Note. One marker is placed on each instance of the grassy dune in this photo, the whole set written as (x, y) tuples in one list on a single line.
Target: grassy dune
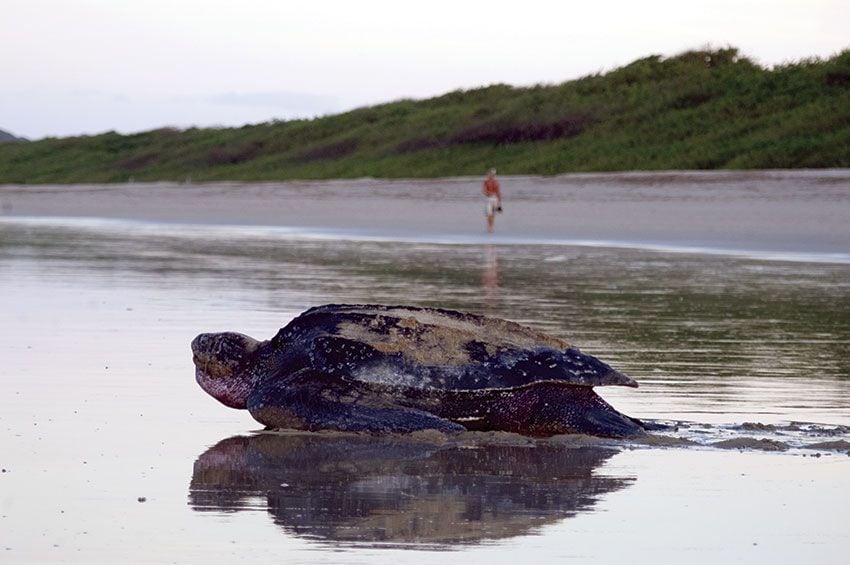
[(698, 110)]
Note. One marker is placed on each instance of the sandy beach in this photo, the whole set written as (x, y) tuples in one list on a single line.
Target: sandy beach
[(109, 443), (775, 211)]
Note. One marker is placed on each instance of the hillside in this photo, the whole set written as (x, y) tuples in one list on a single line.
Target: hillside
[(6, 137), (698, 110)]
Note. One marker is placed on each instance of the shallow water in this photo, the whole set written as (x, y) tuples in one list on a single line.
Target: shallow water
[(100, 407)]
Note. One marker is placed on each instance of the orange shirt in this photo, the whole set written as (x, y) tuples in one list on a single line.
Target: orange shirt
[(491, 187)]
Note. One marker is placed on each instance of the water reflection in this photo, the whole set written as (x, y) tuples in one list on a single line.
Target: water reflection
[(400, 492), (490, 276)]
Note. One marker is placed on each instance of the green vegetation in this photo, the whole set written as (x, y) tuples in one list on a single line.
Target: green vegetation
[(699, 110)]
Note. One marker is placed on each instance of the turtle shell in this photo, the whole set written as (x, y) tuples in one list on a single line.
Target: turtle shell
[(429, 348)]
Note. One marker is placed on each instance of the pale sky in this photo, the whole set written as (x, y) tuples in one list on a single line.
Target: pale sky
[(86, 66)]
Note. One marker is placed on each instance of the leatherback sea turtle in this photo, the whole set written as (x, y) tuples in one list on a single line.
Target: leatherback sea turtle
[(375, 368)]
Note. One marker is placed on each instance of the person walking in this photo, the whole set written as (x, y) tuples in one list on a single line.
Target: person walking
[(492, 191)]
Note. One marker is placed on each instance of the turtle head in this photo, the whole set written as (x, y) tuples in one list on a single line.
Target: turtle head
[(224, 364)]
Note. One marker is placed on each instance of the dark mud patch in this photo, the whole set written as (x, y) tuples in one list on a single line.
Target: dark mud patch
[(752, 443), (758, 427), (757, 436), (819, 429), (651, 440), (837, 445)]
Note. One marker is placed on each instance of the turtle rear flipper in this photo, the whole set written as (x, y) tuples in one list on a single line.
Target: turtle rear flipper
[(311, 400), (542, 409)]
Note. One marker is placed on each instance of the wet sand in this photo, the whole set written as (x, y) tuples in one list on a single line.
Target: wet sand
[(775, 211), (110, 451)]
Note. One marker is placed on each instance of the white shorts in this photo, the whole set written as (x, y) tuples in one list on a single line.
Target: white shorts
[(491, 206)]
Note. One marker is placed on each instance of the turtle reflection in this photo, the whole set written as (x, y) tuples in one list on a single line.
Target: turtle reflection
[(397, 491)]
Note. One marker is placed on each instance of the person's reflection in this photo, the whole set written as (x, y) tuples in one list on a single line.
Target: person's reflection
[(350, 488), (490, 276)]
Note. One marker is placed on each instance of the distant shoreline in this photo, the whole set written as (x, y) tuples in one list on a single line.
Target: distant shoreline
[(769, 212), (126, 227)]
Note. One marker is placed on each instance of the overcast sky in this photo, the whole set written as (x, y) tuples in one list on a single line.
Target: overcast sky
[(87, 66)]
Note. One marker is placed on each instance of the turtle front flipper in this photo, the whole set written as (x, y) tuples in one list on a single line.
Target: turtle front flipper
[(311, 400)]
